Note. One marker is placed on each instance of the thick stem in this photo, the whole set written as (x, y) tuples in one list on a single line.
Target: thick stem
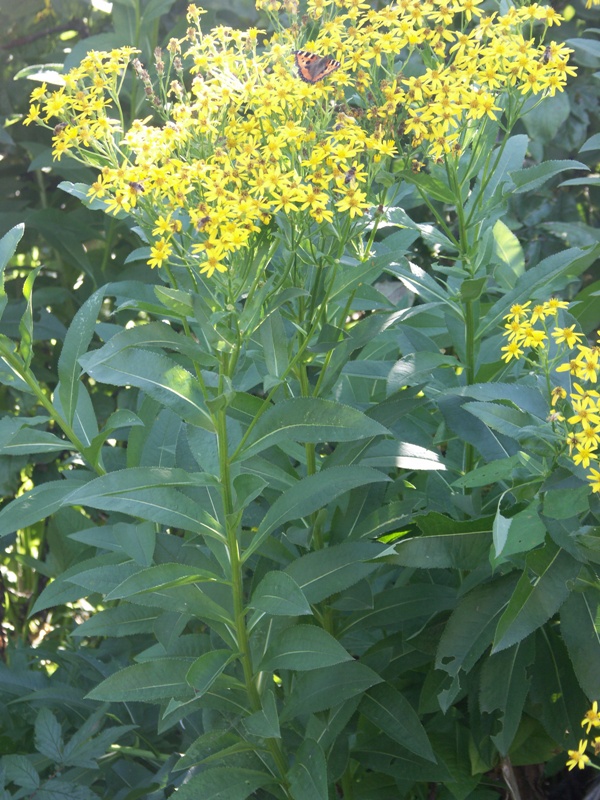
[(237, 583)]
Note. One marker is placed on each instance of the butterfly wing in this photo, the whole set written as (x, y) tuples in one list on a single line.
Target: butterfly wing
[(313, 67)]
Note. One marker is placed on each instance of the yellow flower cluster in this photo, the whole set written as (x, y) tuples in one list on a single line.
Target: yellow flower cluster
[(578, 758), (243, 138), (583, 438)]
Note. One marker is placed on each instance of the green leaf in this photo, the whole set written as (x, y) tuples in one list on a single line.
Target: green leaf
[(160, 377), (8, 245), (587, 51), (470, 629), (518, 534), (48, 736), (393, 607), (75, 344), (527, 180), (264, 723), (155, 335), (593, 143), (393, 715), (535, 601), (25, 346), (308, 775), (159, 679), (421, 283), (160, 576), (120, 621), (223, 783), (319, 689), (274, 344), (325, 572), (150, 493), (206, 669), (310, 494), (29, 440), (499, 470), (553, 678), (580, 626), (452, 550), (501, 418), (566, 503), (415, 368), (280, 595), (543, 121), (303, 647), (138, 541), (37, 504), (62, 590), (20, 770), (310, 419), (504, 686), (510, 255)]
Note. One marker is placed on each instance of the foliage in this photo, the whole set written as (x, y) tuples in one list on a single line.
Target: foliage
[(320, 536)]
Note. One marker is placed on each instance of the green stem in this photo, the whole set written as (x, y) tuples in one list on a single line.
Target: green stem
[(26, 375), (469, 305), (237, 581)]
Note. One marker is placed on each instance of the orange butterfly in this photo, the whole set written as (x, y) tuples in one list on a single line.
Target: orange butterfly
[(313, 68)]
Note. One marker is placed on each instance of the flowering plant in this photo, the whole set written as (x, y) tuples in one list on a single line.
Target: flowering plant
[(322, 505)]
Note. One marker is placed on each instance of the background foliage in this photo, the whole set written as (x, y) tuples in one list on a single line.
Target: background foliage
[(453, 712)]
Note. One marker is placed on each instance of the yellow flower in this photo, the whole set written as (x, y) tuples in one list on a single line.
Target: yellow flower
[(159, 253), (518, 311), (592, 718), (567, 335), (353, 202), (534, 338), (578, 757), (34, 114), (594, 479), (511, 350), (585, 452)]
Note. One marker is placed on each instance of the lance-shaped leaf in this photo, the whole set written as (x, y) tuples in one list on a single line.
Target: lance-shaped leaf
[(8, 245), (310, 494), (280, 595), (304, 647), (224, 783), (580, 630), (393, 715), (159, 679), (151, 493), (536, 599), (206, 669), (325, 572), (310, 419), (308, 775), (35, 505), (76, 341), (160, 377), (26, 324), (324, 688), (504, 686)]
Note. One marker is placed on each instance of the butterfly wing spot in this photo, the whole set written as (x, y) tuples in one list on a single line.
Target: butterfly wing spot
[(313, 67)]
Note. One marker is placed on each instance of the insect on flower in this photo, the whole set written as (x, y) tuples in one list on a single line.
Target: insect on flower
[(350, 175), (136, 187), (312, 67)]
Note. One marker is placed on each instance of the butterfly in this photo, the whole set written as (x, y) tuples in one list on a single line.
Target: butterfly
[(313, 68)]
